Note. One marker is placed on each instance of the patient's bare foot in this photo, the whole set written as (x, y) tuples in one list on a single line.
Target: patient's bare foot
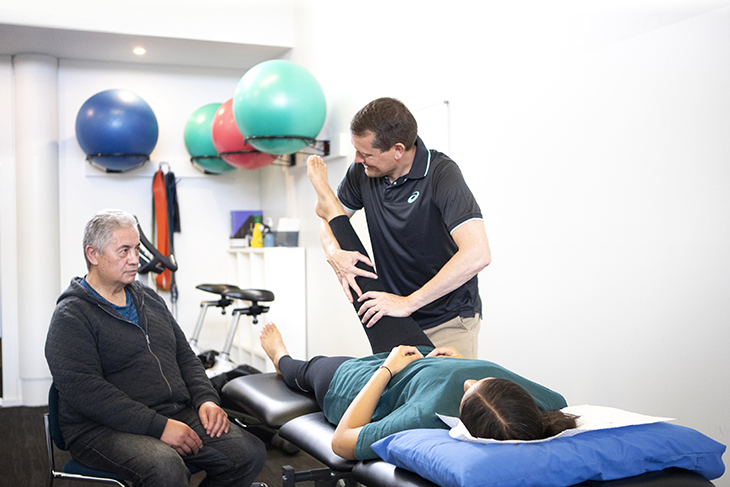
[(327, 206), (273, 344)]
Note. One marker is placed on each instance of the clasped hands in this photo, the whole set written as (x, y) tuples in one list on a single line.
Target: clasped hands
[(184, 440), (376, 304), (403, 355)]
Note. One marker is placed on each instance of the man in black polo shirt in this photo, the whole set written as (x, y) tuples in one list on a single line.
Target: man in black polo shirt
[(426, 229)]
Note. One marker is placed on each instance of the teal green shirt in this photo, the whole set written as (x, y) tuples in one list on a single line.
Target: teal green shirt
[(413, 397)]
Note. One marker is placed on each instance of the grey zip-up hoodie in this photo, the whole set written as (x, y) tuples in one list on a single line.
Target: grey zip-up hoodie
[(111, 372)]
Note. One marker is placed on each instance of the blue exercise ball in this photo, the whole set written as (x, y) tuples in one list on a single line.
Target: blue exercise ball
[(117, 130), (281, 100)]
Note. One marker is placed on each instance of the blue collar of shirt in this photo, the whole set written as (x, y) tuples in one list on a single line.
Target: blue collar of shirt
[(128, 311), (101, 298)]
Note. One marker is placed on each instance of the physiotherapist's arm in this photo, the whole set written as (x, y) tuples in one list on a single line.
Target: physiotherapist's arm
[(342, 261), (472, 256)]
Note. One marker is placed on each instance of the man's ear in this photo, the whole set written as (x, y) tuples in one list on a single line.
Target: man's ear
[(399, 149), (92, 255)]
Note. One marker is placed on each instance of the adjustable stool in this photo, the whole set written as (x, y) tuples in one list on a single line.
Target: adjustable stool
[(223, 302), (223, 362)]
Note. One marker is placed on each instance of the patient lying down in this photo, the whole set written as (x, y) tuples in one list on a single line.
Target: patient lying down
[(372, 397), (407, 380)]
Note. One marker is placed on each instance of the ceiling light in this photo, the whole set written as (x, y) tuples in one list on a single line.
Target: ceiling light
[(139, 51)]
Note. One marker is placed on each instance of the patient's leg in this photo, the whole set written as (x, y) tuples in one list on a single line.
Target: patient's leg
[(327, 205), (388, 332), (312, 376)]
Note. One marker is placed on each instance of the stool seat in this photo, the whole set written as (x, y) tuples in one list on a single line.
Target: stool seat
[(250, 294), (218, 288)]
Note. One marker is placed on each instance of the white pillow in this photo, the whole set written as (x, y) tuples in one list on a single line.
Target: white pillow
[(590, 418)]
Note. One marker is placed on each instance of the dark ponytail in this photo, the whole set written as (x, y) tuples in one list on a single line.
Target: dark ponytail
[(555, 422), (503, 410)]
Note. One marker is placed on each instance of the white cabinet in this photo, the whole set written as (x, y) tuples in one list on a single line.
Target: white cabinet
[(280, 270)]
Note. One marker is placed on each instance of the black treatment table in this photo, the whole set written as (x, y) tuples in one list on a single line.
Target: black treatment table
[(298, 419)]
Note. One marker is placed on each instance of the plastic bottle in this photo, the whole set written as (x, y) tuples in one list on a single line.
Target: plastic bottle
[(257, 239), (268, 233)]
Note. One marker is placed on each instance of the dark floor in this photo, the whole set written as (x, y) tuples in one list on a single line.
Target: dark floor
[(23, 457)]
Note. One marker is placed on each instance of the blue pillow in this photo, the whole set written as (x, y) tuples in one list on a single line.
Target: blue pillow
[(595, 455)]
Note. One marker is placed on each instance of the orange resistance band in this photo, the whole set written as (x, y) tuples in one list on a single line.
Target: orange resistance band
[(162, 228)]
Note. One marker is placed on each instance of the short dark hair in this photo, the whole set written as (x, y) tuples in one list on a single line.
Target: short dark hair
[(389, 120), (503, 410)]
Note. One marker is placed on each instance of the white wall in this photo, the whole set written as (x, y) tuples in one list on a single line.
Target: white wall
[(595, 141)]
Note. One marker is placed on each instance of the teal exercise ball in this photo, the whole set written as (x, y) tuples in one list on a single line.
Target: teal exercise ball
[(279, 99), (199, 141)]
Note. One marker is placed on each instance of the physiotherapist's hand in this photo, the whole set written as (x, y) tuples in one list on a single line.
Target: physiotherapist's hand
[(181, 438), (378, 304), (214, 419), (343, 263)]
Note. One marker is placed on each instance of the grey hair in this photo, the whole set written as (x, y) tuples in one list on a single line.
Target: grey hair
[(98, 231)]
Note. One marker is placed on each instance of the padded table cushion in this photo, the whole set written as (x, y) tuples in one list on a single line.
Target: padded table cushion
[(383, 474), (313, 434), (267, 397), (671, 477), (297, 414)]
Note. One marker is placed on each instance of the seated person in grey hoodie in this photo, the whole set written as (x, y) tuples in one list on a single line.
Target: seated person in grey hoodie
[(133, 397)]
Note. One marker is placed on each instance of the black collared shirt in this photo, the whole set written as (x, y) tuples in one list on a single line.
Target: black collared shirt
[(410, 223)]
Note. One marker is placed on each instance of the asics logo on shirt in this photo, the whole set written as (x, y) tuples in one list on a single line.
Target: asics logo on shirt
[(414, 197)]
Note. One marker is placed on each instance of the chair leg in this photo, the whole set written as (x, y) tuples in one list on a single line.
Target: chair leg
[(49, 450)]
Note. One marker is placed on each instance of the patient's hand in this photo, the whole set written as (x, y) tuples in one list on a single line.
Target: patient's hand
[(214, 419), (181, 438), (400, 357), (445, 352)]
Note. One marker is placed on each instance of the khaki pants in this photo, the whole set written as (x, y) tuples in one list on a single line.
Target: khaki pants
[(460, 333)]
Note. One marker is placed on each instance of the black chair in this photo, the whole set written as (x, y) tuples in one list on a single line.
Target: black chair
[(72, 470)]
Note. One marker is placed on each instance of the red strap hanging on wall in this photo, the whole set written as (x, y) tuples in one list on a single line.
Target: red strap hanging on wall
[(162, 227)]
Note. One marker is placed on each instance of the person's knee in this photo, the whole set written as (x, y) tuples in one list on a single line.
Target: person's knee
[(168, 470), (251, 454), (245, 456), (259, 456)]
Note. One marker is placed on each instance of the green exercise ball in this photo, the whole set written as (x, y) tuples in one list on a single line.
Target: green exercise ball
[(199, 141), (279, 99)]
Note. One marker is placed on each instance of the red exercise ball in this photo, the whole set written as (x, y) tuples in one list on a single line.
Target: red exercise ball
[(230, 144)]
